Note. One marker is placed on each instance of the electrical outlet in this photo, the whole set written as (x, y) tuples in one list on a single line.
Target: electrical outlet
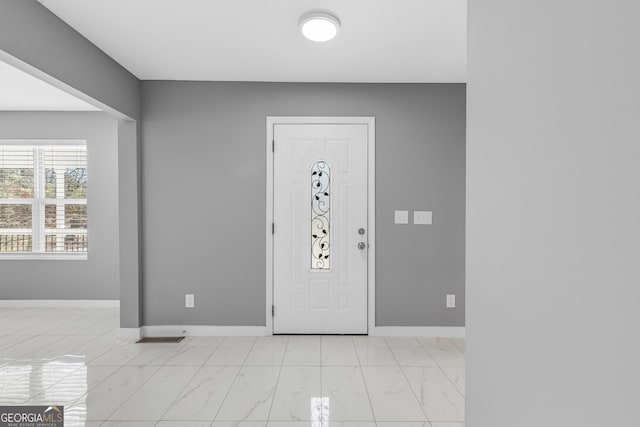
[(189, 301), (451, 301)]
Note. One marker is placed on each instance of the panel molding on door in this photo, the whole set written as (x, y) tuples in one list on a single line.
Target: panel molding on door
[(320, 193)]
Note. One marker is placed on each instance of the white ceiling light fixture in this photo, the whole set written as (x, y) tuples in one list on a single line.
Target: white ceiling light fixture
[(319, 26)]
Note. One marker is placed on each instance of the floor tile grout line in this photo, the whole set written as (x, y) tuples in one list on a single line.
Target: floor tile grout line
[(126, 362), (90, 313), (86, 394), (246, 356), (235, 380), (94, 338), (224, 339), (393, 352), (275, 390), (180, 392), (442, 370), (71, 321), (407, 380), (16, 332), (456, 345), (437, 338), (43, 332), (133, 392), (366, 389), (253, 344), (188, 382), (72, 348), (15, 379), (357, 353), (452, 383), (31, 398), (98, 384), (34, 350), (215, 348), (26, 338), (153, 346), (105, 352), (91, 325)]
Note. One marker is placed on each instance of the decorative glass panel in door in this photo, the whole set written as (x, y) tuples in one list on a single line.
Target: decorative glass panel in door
[(320, 215)]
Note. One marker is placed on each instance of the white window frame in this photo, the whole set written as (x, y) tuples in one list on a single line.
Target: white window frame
[(38, 207)]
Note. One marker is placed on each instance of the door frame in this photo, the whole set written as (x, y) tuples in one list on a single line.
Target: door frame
[(370, 122)]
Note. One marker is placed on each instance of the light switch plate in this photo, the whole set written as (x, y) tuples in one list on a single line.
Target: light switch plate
[(451, 301), (402, 217), (423, 217), (189, 301)]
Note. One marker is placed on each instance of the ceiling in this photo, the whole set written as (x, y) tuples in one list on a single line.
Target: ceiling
[(259, 40), (23, 92)]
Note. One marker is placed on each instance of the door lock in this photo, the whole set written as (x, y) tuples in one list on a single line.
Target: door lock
[(361, 231), (362, 245)]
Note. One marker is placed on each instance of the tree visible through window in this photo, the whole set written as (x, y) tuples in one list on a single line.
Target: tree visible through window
[(43, 198)]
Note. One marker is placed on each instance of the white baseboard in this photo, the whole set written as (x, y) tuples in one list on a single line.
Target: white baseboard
[(419, 331), (235, 331), (130, 333), (60, 303), (203, 331)]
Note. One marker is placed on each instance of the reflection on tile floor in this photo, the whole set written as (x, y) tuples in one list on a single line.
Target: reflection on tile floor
[(73, 357)]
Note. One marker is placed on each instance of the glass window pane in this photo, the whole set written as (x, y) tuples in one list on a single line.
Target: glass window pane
[(50, 216), (76, 243), (16, 171), (16, 183), (75, 216), (15, 243), (75, 183), (50, 243), (66, 243), (320, 215), (15, 216), (50, 183)]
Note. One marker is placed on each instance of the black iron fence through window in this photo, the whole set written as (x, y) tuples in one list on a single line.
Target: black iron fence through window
[(23, 243), (15, 243)]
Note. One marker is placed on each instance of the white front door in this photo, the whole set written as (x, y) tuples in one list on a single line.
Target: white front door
[(320, 238)]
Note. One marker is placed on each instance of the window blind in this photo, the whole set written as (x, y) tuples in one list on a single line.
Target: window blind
[(43, 198)]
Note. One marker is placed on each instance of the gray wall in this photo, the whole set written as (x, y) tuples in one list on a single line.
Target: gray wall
[(553, 213), (96, 278), (129, 221), (203, 161), (31, 33), (36, 41)]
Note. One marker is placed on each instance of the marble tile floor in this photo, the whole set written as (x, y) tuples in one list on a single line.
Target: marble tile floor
[(74, 357)]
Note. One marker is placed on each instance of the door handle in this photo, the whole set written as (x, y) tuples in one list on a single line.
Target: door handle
[(362, 245)]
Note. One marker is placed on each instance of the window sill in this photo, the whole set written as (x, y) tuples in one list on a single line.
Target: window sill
[(44, 257)]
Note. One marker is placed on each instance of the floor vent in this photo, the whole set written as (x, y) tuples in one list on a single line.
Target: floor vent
[(159, 339)]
